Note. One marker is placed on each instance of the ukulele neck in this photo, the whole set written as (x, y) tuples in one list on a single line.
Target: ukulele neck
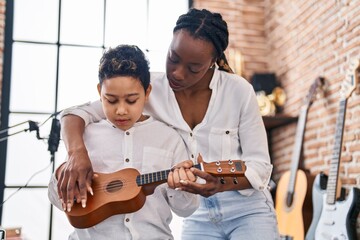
[(157, 177)]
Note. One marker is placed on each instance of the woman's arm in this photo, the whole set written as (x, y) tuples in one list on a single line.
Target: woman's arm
[(75, 175)]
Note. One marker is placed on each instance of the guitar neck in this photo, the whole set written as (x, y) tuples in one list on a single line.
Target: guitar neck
[(331, 188), (297, 148), (156, 177), (299, 137)]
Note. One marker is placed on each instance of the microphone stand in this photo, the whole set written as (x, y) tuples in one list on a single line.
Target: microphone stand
[(53, 144)]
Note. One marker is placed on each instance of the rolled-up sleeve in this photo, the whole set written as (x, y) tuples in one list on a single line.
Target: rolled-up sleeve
[(254, 146), (90, 112), (53, 194)]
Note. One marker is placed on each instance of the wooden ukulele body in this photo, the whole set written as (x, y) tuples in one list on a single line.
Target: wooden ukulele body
[(115, 193)]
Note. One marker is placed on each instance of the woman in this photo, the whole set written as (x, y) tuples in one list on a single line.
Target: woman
[(216, 113)]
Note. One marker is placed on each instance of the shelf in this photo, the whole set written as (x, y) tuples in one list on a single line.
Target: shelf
[(278, 120)]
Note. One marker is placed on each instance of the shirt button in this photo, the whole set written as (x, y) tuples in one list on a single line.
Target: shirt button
[(127, 160), (191, 134), (227, 132), (127, 133), (192, 155), (127, 220)]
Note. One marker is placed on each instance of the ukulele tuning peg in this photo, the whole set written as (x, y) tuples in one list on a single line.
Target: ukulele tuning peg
[(222, 180), (219, 170), (217, 163), (232, 169), (235, 181), (230, 162)]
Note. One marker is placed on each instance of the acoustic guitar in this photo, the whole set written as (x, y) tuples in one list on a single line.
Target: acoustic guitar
[(292, 186), (125, 191), (338, 216)]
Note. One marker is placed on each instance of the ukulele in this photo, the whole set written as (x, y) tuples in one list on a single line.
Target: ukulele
[(125, 191), (338, 217), (292, 186)]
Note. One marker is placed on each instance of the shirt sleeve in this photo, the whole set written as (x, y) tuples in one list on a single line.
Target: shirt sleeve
[(182, 203), (254, 145), (91, 112), (53, 194)]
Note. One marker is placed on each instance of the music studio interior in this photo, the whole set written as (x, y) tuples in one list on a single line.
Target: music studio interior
[(302, 58)]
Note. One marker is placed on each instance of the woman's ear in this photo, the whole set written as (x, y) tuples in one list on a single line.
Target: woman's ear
[(147, 92)]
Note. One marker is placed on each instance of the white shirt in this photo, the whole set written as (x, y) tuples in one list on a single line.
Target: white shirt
[(231, 129), (149, 146)]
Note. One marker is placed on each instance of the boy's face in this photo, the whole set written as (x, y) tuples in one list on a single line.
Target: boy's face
[(123, 99)]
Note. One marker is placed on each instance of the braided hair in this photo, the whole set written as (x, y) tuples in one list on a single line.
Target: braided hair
[(208, 26)]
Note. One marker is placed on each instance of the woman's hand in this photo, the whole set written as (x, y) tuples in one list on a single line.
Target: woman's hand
[(211, 186), (74, 179), (75, 175)]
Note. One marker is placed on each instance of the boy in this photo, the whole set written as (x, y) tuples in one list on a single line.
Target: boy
[(130, 139)]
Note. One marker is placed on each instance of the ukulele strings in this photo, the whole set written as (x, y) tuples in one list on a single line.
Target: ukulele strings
[(118, 184)]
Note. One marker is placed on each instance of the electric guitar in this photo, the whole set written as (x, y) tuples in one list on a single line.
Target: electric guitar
[(292, 186), (125, 191), (338, 217)]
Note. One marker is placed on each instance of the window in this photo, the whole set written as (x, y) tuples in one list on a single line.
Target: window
[(52, 50)]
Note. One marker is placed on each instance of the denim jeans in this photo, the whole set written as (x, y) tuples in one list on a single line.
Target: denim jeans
[(232, 216)]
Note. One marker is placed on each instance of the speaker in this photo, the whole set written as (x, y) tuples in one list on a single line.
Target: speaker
[(264, 82)]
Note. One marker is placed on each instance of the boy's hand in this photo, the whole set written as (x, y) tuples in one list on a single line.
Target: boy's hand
[(180, 173), (74, 179)]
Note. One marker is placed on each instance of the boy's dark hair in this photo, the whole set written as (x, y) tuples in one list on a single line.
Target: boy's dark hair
[(124, 60), (208, 26)]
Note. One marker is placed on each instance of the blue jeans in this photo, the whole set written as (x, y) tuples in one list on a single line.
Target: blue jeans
[(232, 216)]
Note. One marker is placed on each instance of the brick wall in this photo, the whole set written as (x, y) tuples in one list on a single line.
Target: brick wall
[(306, 40), (245, 20), (309, 39)]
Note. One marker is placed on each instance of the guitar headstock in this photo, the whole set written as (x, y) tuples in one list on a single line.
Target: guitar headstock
[(319, 81), (229, 168), (351, 79)]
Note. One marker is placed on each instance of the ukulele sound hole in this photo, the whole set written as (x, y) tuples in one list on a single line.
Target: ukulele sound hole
[(114, 186)]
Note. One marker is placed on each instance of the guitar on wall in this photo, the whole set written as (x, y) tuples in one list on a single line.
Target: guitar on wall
[(125, 191), (338, 217), (292, 186)]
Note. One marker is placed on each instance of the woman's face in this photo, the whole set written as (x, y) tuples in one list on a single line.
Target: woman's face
[(188, 61)]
